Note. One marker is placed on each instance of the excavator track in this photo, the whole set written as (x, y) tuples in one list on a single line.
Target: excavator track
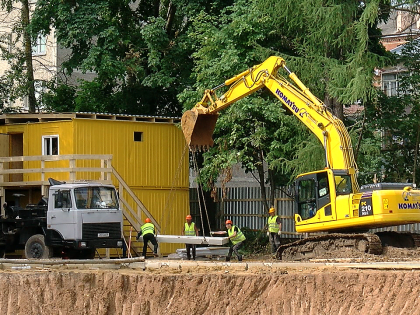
[(331, 244)]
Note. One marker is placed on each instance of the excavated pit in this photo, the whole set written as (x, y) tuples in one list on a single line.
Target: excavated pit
[(300, 290)]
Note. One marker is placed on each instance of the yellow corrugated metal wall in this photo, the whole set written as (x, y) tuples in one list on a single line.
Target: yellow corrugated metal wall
[(149, 166), (32, 140)]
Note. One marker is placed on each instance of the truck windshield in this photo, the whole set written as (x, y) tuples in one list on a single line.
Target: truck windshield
[(96, 198)]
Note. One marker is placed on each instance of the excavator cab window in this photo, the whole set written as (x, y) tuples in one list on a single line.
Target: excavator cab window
[(342, 184), (307, 198), (323, 188)]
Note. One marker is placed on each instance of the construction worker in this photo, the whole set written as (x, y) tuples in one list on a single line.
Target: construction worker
[(237, 238), (148, 231), (190, 230), (274, 229)]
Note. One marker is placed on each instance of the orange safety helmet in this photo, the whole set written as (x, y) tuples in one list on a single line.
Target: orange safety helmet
[(188, 217), (228, 222), (147, 220), (272, 210)]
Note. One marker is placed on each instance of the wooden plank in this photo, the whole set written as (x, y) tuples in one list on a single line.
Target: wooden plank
[(40, 183), (191, 239), (56, 157), (55, 170)]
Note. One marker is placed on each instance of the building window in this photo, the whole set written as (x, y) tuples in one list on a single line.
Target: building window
[(138, 136), (50, 145), (40, 45), (390, 84)]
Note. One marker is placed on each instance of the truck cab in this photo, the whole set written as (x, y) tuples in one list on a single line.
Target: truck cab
[(83, 216), (72, 222)]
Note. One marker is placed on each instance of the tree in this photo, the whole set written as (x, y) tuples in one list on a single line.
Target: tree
[(397, 117), (409, 86), (255, 133), (334, 45), (335, 59), (139, 50), (16, 47)]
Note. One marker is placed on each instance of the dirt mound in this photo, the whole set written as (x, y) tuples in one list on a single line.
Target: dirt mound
[(317, 291)]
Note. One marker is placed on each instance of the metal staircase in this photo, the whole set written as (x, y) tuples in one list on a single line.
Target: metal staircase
[(134, 215)]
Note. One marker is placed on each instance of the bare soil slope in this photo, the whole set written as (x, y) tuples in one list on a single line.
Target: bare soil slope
[(307, 291)]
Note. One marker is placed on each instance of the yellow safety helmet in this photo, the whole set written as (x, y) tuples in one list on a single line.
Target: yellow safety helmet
[(272, 210)]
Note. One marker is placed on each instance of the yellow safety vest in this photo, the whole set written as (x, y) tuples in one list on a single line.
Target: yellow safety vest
[(273, 227), (240, 237), (189, 229), (147, 228)]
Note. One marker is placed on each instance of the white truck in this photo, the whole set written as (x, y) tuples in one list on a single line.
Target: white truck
[(72, 222)]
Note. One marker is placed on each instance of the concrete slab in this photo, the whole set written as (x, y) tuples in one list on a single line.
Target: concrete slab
[(198, 240), (203, 252)]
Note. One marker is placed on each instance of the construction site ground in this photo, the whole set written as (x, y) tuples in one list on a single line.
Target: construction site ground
[(386, 284)]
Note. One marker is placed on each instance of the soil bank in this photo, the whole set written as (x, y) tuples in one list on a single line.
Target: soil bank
[(128, 292)]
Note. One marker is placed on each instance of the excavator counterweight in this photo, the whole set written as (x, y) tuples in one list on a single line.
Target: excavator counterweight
[(198, 129)]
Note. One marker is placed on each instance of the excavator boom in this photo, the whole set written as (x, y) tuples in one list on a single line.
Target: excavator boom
[(198, 124)]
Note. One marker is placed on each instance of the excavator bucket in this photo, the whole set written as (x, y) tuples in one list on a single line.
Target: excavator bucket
[(198, 129)]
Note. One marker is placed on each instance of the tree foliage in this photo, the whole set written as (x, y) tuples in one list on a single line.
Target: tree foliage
[(139, 50), (16, 48), (332, 46), (397, 117)]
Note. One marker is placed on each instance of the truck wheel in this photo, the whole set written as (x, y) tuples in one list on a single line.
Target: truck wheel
[(35, 247)]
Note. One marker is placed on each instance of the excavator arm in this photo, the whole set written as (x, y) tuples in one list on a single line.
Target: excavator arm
[(198, 124)]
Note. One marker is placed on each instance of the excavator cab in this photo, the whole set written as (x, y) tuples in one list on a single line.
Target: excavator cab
[(198, 129), (313, 194)]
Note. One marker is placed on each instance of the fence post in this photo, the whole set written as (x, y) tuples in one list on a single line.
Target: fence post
[(72, 165), (103, 162), (43, 192), (109, 168)]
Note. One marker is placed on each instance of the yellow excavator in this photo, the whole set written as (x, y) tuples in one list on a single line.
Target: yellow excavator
[(328, 200)]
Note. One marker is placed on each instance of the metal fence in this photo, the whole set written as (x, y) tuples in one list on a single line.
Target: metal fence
[(244, 206)]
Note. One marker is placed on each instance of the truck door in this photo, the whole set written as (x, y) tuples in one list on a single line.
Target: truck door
[(61, 217)]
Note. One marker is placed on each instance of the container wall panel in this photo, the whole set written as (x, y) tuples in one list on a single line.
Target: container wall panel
[(169, 208), (33, 146), (159, 160)]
